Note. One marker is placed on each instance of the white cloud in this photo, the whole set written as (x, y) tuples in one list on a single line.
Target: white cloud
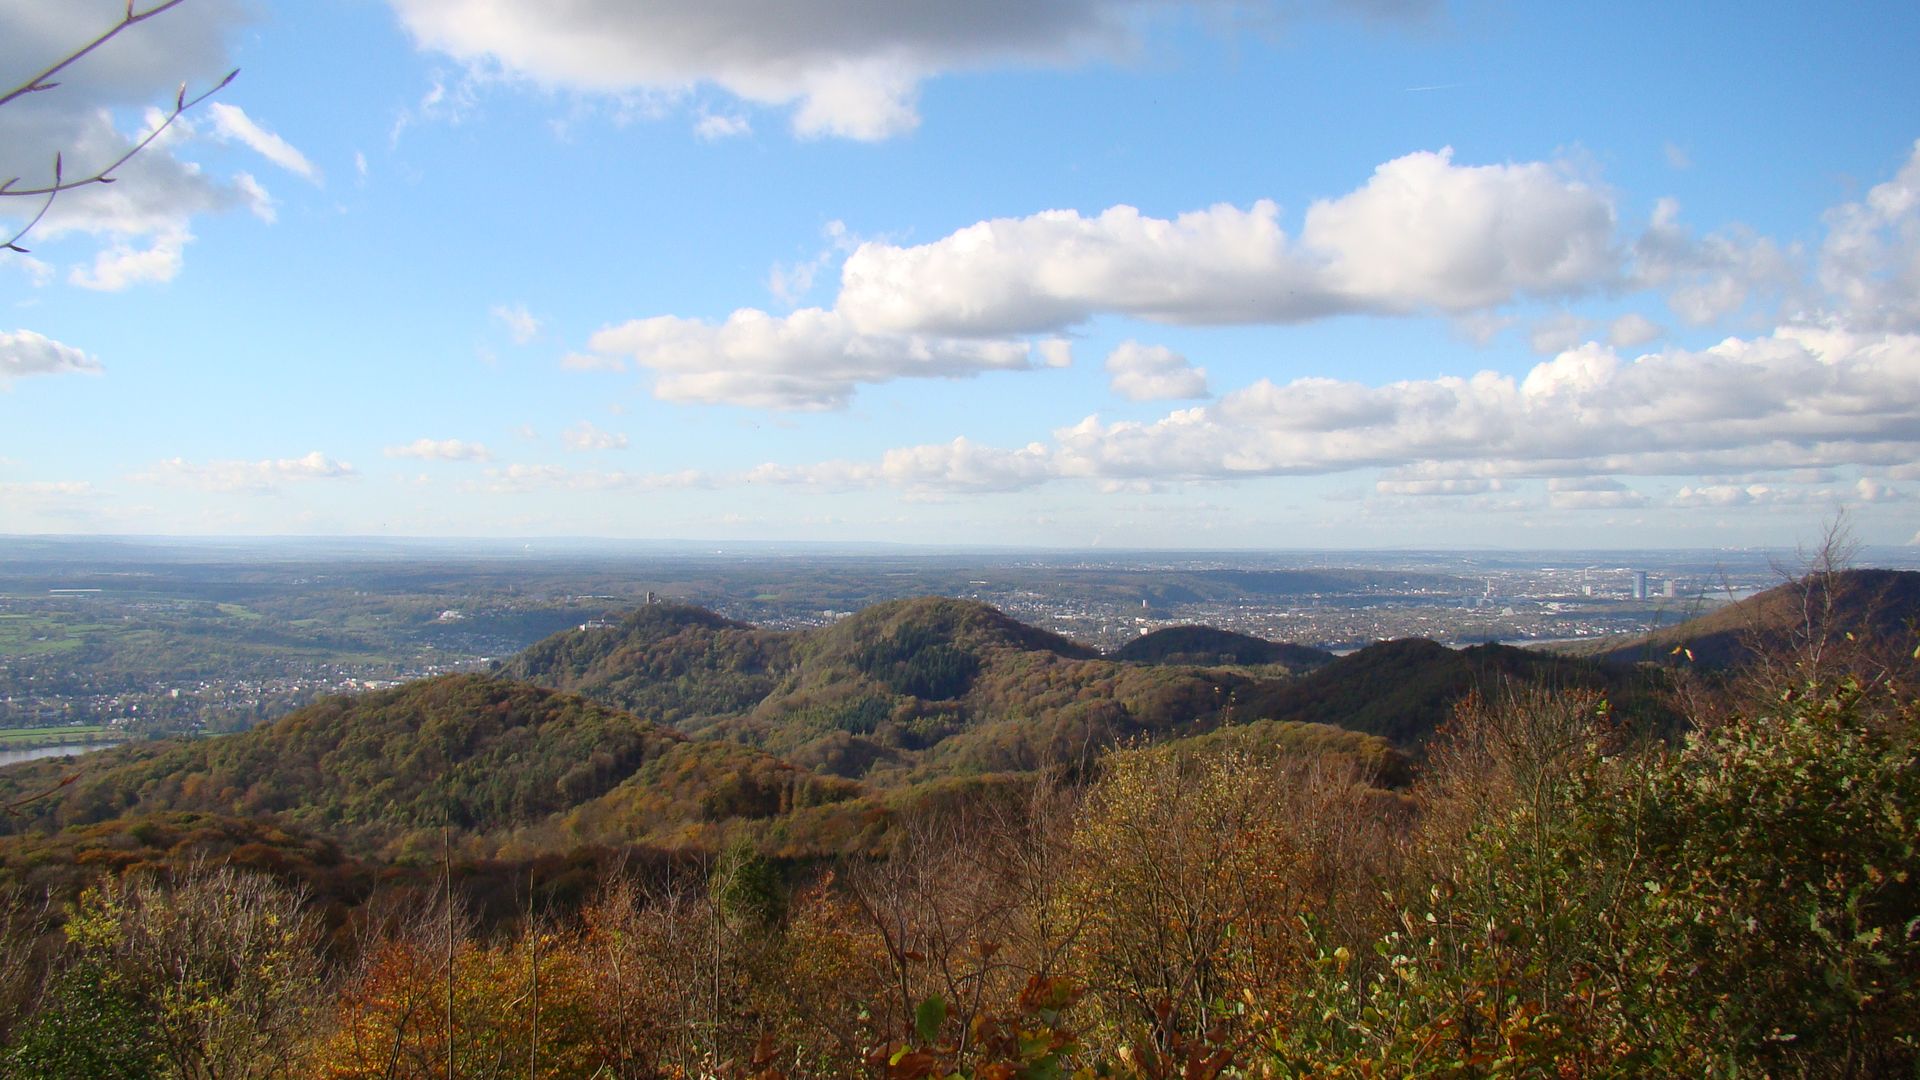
[(1421, 488), (68, 488), (1722, 496), (1557, 333), (231, 122), (715, 126), (1869, 490), (1709, 278), (579, 361), (1801, 398), (521, 479), (441, 450), (584, 436), (790, 284), (811, 359), (960, 465), (1632, 330), (1592, 493), (158, 192), (122, 264), (848, 68), (24, 352), (254, 477), (1480, 327), (965, 465), (520, 324), (258, 199), (1154, 373), (1423, 235), (1870, 261)]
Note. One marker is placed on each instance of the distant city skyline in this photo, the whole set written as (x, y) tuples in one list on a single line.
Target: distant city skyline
[(1120, 274)]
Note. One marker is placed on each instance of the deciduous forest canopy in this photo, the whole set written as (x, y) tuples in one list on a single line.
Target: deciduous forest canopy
[(930, 840)]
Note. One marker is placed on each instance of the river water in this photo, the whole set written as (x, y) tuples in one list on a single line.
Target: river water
[(9, 757)]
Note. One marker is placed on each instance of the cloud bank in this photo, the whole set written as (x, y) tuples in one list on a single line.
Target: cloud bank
[(846, 68)]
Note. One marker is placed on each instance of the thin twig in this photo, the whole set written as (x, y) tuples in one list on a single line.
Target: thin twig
[(41, 82), (16, 804)]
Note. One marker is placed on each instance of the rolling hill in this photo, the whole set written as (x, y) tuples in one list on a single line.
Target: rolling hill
[(506, 764), (910, 690), (1404, 690), (675, 728), (1204, 645), (896, 693), (1880, 609)]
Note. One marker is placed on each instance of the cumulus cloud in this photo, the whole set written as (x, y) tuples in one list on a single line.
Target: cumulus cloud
[(1724, 496), (122, 264), (231, 122), (520, 323), (1706, 278), (158, 191), (440, 450), (1154, 373), (1592, 493), (847, 68), (1868, 490), (810, 360), (1870, 261), (715, 126), (24, 352), (252, 477), (584, 436), (1632, 330), (1423, 235), (965, 465), (1557, 333), (1798, 399), (960, 465)]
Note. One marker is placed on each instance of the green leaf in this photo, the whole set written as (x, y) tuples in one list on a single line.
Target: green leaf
[(928, 1017)]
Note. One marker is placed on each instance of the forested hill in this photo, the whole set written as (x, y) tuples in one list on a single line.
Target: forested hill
[(667, 662), (383, 771), (805, 739), (898, 692), (915, 689), (1404, 690), (1206, 645), (1873, 615)]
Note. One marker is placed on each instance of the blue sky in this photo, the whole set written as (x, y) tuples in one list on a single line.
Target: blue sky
[(1051, 272)]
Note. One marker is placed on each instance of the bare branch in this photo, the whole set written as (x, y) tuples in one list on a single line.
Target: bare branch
[(15, 805), (39, 82), (43, 82)]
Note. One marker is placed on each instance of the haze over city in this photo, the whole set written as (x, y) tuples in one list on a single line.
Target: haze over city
[(1071, 273)]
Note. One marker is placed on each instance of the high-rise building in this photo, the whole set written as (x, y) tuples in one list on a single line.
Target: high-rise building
[(1639, 584)]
